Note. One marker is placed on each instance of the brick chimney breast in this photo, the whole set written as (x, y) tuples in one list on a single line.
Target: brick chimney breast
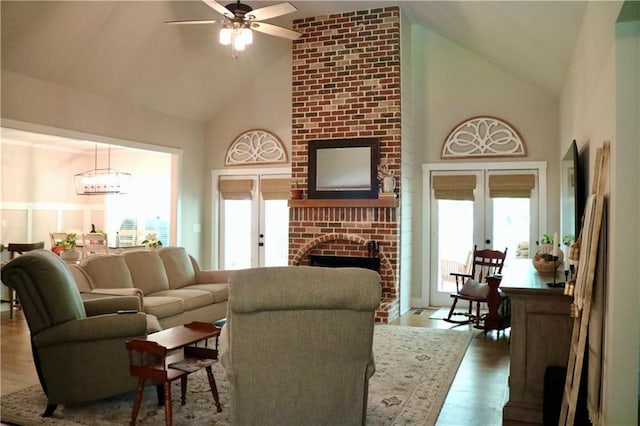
[(346, 84)]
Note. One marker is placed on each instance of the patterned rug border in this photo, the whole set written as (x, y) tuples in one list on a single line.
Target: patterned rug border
[(415, 368)]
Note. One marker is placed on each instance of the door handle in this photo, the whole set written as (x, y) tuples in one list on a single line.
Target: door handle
[(487, 241)]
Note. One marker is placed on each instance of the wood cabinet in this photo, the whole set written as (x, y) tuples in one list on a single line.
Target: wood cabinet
[(540, 337)]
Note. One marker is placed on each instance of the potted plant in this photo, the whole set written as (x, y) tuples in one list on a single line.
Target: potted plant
[(66, 248), (296, 192), (547, 257), (386, 178), (152, 242)]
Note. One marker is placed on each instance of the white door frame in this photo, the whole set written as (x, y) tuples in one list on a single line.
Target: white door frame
[(215, 200), (427, 168)]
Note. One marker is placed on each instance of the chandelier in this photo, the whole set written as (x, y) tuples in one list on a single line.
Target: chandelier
[(101, 181), (237, 34)]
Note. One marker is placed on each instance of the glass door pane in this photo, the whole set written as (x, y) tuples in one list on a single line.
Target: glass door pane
[(455, 238), (275, 239), (511, 226), (237, 238)]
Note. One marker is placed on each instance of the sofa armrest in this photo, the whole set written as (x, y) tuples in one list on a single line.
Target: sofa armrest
[(91, 329), (212, 277), (108, 304), (122, 292)]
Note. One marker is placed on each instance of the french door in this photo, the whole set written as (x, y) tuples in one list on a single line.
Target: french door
[(494, 207), (252, 229)]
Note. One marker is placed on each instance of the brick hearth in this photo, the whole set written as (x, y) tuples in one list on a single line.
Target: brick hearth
[(346, 84)]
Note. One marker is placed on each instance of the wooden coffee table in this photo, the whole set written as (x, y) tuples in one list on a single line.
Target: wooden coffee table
[(172, 354)]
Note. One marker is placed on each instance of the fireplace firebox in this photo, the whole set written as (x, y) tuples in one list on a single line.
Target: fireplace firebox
[(372, 263)]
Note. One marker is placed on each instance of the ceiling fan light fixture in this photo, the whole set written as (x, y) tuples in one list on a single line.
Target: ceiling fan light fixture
[(247, 35), (225, 36), (240, 19)]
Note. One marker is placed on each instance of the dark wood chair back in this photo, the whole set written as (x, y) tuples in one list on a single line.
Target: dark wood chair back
[(21, 248), (487, 262)]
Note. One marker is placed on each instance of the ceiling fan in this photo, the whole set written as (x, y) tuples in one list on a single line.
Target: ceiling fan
[(240, 19)]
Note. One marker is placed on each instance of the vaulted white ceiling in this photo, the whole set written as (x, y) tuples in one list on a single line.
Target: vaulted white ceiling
[(123, 49)]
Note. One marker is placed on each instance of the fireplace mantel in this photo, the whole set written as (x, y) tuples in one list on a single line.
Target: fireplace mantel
[(348, 202)]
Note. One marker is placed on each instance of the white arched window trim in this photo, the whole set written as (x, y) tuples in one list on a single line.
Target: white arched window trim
[(483, 136), (256, 147)]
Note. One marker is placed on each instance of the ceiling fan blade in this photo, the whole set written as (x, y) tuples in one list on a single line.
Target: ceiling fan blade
[(275, 30), (269, 12), (194, 21), (213, 4)]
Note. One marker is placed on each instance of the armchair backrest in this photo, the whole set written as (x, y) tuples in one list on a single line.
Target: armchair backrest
[(300, 344), (46, 288)]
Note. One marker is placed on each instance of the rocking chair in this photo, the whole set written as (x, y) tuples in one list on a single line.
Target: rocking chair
[(473, 287)]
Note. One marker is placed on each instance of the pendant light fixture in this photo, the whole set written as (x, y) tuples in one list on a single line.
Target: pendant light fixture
[(101, 181)]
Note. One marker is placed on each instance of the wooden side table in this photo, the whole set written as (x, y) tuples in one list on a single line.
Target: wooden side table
[(172, 354)]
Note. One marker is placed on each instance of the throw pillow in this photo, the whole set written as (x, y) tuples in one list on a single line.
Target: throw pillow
[(475, 289)]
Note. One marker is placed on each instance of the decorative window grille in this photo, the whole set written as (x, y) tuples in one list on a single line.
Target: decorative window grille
[(256, 147), (483, 137)]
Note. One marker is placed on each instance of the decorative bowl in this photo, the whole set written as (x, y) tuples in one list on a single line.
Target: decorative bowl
[(544, 263)]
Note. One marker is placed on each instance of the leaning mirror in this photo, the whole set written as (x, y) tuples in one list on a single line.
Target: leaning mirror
[(572, 202)]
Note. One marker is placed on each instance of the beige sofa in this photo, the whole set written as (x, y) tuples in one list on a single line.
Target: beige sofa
[(168, 282)]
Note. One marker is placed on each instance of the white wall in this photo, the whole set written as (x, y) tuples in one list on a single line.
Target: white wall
[(39, 103), (266, 105), (456, 84), (588, 114), (410, 165), (625, 223)]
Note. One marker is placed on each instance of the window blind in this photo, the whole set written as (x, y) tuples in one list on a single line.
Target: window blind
[(511, 186), (454, 187), (237, 189), (275, 189)]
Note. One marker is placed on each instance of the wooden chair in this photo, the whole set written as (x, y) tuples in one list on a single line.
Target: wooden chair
[(19, 248), (94, 243), (127, 238), (472, 287)]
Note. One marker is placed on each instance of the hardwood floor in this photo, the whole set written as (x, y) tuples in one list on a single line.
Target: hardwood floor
[(477, 394), (476, 397)]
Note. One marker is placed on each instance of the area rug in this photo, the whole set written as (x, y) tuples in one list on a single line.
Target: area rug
[(414, 370)]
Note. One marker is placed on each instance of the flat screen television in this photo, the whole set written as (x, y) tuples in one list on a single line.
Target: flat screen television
[(344, 168)]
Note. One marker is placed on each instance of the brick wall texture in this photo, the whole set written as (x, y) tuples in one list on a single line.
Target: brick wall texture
[(346, 84)]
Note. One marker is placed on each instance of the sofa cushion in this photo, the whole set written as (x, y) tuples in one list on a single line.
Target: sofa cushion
[(220, 292), (83, 281), (147, 271), (107, 271), (193, 299), (163, 306), (178, 266)]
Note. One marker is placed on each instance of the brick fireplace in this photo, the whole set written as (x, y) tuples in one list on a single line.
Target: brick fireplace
[(346, 84)]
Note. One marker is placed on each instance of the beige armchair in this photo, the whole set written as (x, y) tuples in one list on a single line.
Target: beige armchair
[(78, 348), (297, 345)]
